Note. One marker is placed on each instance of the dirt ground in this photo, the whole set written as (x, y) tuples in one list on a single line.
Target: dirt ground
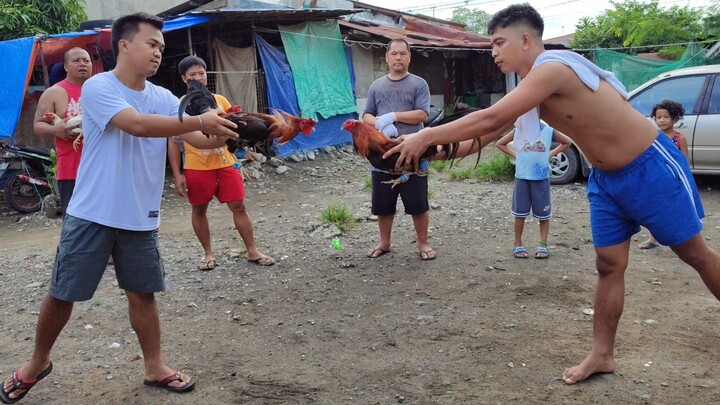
[(327, 326)]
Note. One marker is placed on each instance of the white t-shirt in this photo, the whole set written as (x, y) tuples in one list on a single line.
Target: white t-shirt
[(121, 176)]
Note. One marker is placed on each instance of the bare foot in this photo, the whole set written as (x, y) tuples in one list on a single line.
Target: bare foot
[(426, 252), (591, 365)]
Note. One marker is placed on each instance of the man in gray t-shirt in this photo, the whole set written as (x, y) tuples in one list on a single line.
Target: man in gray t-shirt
[(398, 104)]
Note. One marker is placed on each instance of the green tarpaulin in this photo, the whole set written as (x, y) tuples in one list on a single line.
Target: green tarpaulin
[(320, 69), (632, 71)]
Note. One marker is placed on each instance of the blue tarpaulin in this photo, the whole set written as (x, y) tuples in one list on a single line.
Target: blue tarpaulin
[(184, 22), (282, 96), (15, 54)]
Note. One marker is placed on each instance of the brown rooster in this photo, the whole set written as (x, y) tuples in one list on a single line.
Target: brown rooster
[(372, 144), (253, 128)]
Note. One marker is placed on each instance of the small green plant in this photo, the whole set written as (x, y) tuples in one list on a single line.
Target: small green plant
[(498, 168), (52, 172), (431, 193), (96, 303), (367, 183), (339, 215), (461, 174), (439, 165)]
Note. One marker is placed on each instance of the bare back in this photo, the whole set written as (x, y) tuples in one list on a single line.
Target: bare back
[(602, 123)]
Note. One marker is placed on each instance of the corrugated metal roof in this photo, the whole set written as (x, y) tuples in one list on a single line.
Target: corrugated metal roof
[(438, 37)]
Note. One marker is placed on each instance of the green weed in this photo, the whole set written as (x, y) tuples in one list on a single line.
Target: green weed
[(339, 215)]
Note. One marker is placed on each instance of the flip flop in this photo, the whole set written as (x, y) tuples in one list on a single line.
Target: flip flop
[(263, 261), (19, 384), (165, 383), (377, 252), (520, 252), (428, 254), (208, 265), (542, 252)]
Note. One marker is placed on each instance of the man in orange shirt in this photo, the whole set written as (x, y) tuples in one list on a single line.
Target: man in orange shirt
[(209, 173)]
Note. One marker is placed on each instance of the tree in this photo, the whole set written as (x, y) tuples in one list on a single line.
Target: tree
[(24, 18), (634, 24), (474, 19)]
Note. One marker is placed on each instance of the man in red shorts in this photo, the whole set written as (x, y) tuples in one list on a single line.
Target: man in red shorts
[(209, 173)]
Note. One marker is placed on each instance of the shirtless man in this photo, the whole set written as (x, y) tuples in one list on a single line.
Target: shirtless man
[(629, 171), (63, 99)]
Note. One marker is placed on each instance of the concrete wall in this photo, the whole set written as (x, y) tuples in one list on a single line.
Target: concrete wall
[(370, 65), (103, 9)]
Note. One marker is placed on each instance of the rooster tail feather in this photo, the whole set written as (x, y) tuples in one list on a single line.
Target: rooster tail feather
[(477, 141), (280, 116), (184, 103)]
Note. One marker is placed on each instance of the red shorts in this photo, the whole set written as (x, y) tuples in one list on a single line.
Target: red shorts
[(226, 184)]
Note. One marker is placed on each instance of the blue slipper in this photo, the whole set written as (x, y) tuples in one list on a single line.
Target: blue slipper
[(520, 252), (542, 252)]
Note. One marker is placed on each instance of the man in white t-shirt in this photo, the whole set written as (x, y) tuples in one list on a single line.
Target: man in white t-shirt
[(116, 202)]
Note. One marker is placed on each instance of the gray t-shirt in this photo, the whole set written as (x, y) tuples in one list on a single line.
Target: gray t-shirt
[(407, 94)]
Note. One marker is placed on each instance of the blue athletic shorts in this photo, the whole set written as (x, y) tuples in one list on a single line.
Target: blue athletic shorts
[(83, 253), (656, 190), (531, 194)]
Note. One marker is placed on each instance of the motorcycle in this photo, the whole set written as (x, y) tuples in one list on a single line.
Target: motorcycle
[(24, 176)]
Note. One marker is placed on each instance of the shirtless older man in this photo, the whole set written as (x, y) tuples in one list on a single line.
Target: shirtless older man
[(634, 165)]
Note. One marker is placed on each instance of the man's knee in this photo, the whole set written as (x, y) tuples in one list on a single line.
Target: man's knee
[(140, 298), (611, 262), (200, 210), (237, 207), (695, 253)]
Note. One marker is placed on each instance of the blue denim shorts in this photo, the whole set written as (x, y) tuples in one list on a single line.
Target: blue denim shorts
[(531, 195), (656, 190), (83, 253)]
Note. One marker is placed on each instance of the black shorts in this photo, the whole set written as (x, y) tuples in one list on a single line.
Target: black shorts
[(65, 191), (414, 194)]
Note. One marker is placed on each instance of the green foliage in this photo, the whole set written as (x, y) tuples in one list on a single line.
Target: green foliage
[(367, 183), (52, 171), (24, 18), (498, 168), (431, 193), (339, 215), (474, 19), (633, 23), (439, 165), (460, 174)]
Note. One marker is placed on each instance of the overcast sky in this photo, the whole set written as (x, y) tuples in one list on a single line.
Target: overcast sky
[(560, 16)]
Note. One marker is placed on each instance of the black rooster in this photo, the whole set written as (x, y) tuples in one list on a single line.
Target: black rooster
[(253, 128)]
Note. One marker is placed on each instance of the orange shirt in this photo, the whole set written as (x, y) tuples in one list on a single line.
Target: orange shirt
[(209, 159)]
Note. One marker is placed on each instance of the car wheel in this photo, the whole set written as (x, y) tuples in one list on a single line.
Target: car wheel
[(565, 166)]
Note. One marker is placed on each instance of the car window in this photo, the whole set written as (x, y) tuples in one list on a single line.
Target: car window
[(714, 104), (684, 90)]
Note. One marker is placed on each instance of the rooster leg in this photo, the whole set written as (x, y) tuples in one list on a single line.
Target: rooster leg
[(77, 142), (401, 179)]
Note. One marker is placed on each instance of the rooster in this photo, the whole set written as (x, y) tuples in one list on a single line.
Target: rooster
[(372, 144), (253, 128), (76, 122)]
